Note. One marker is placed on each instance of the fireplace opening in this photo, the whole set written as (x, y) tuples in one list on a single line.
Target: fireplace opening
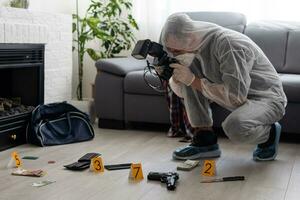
[(13, 106), (21, 89)]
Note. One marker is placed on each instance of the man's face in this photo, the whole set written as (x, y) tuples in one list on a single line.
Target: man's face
[(171, 43), (176, 52)]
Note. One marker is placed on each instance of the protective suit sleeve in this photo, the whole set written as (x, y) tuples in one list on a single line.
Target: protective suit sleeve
[(176, 87), (235, 66)]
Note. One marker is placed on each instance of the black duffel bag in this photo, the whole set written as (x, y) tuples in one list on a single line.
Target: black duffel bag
[(58, 123)]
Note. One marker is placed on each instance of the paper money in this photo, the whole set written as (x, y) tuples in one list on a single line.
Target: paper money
[(188, 165), (25, 172), (42, 183)]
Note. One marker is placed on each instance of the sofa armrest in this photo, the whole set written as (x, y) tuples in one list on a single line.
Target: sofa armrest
[(120, 66)]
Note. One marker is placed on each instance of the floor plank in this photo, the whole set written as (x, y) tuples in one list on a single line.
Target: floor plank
[(276, 180)]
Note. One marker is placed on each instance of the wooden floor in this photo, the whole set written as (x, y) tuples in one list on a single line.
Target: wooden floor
[(279, 179)]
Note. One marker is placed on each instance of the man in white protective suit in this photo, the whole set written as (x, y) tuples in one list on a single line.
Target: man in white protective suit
[(226, 67)]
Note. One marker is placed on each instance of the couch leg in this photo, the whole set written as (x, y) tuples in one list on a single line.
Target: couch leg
[(111, 123)]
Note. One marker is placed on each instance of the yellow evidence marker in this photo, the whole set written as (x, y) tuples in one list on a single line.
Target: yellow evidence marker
[(209, 168), (97, 164), (15, 156), (136, 172)]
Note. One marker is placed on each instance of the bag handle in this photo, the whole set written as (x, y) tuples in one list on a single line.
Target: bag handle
[(58, 131)]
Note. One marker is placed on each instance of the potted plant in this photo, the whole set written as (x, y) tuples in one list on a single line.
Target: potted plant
[(19, 3), (106, 22)]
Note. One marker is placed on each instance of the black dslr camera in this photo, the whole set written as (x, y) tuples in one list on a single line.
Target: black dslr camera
[(161, 58)]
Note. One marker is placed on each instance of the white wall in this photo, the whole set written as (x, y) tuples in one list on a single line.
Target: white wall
[(53, 30), (150, 16), (54, 6), (69, 7)]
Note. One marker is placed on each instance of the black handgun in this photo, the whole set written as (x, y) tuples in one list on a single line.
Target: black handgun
[(169, 178)]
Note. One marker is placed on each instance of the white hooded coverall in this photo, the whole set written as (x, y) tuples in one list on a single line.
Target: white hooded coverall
[(235, 74)]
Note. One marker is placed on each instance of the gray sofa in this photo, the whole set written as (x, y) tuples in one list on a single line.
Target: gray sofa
[(122, 96)]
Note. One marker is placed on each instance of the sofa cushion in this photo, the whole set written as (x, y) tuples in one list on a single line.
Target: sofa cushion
[(272, 39), (134, 83), (292, 64), (291, 86), (120, 66)]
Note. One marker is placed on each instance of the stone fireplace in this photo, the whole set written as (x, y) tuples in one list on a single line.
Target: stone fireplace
[(21, 89), (22, 85)]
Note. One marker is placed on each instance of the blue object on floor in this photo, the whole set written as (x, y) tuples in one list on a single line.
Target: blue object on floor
[(268, 153), (193, 152)]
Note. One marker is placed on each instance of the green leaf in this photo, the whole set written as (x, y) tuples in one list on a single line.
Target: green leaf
[(83, 38), (112, 32), (73, 27), (83, 22), (93, 54), (74, 16), (102, 22), (93, 22), (106, 44), (103, 55), (133, 22), (118, 7), (128, 5), (101, 34)]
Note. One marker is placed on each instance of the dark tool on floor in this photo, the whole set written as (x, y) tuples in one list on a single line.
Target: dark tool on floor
[(118, 166), (30, 157), (169, 178), (83, 162), (224, 179)]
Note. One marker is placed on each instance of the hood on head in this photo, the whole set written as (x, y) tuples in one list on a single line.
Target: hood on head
[(181, 32)]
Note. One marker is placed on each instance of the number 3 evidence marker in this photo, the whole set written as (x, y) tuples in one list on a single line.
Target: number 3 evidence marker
[(97, 164)]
